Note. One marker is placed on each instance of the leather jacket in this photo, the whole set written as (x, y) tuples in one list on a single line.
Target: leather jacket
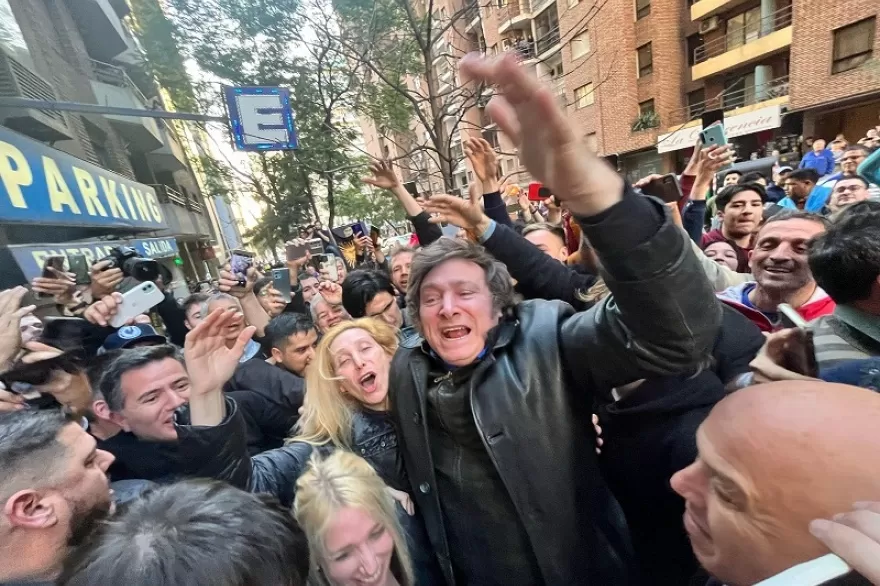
[(532, 397)]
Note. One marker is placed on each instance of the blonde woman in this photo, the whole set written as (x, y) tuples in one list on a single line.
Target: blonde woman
[(346, 408), (350, 521)]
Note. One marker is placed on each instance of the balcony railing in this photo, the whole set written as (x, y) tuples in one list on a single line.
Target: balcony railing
[(548, 41), (733, 39), (471, 12), (729, 100), (169, 195)]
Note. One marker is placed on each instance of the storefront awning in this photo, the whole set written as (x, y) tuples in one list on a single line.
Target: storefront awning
[(766, 118)]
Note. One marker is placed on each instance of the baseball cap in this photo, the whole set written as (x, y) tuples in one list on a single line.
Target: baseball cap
[(127, 336), (784, 168)]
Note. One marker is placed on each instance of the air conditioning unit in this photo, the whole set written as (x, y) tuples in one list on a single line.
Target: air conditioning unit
[(18, 81), (709, 25)]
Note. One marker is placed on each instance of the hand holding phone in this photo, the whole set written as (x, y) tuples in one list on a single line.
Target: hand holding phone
[(713, 136), (240, 261), (666, 188), (53, 268), (281, 283), (79, 266)]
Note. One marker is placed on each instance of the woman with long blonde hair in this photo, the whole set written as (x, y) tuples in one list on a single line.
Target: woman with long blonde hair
[(350, 521), (347, 408)]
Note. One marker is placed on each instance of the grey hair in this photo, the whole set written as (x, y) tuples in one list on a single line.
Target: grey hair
[(313, 306), (444, 249), (215, 297), (132, 359), (29, 448)]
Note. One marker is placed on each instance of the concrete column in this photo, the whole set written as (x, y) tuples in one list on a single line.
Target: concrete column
[(763, 74), (768, 7)]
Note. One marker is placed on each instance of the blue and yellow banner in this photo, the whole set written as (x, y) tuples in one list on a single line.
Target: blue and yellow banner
[(42, 185), (31, 257)]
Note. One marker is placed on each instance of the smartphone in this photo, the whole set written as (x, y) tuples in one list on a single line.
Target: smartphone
[(538, 192), (66, 329), (79, 266), (800, 355), (281, 282), (361, 228), (514, 208), (295, 252), (240, 261), (329, 265), (411, 188), (667, 188), (315, 246), (50, 265), (136, 301)]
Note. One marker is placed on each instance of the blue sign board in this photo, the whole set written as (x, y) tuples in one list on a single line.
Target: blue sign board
[(30, 257), (42, 185), (261, 118)]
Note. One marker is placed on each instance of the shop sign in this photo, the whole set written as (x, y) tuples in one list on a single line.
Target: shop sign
[(42, 185), (766, 118), (30, 257)]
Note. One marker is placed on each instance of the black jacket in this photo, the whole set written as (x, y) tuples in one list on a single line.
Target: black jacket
[(269, 398), (532, 394), (538, 275)]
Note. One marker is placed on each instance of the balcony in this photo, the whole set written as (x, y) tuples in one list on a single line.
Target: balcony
[(547, 42), (770, 35), (113, 87), (514, 14), (18, 81), (102, 30), (705, 8), (773, 92), (471, 16), (182, 213), (170, 156)]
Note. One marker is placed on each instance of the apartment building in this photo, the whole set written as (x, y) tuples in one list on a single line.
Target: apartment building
[(636, 75), (84, 183)]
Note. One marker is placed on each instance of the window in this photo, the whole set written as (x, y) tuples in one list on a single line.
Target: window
[(643, 8), (738, 91), (584, 96), (693, 42), (646, 107), (743, 28), (580, 45), (853, 45), (645, 60), (696, 103)]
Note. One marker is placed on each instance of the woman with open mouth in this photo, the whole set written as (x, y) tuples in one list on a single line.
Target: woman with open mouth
[(347, 407)]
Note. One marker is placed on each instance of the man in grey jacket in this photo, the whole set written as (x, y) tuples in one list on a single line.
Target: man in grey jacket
[(493, 404)]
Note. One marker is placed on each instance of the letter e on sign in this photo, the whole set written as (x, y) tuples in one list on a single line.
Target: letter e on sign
[(261, 118)]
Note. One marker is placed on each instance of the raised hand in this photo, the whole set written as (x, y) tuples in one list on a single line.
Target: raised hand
[(209, 361), (61, 286), (102, 311), (331, 292), (548, 145), (297, 264), (11, 313), (228, 282), (104, 279), (448, 209), (383, 176), (483, 160)]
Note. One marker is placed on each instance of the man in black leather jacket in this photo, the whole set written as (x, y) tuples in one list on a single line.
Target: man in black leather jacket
[(493, 407)]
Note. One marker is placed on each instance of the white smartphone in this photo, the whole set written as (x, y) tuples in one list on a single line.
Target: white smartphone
[(136, 301)]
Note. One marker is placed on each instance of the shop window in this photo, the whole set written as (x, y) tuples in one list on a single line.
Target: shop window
[(643, 8), (853, 45), (645, 60), (584, 96), (580, 45)]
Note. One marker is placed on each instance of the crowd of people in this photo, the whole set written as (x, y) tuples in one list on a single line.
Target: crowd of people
[(598, 388)]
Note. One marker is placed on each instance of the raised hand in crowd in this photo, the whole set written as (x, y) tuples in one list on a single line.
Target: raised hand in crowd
[(483, 161), (296, 265), (104, 279), (61, 287), (466, 214), (548, 145), (331, 292), (11, 313), (102, 311), (383, 177), (705, 164), (855, 537), (210, 362), (229, 283)]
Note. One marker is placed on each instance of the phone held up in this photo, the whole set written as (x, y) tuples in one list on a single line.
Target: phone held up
[(239, 263), (281, 282), (800, 354), (666, 188), (51, 267), (140, 299), (538, 192), (79, 266)]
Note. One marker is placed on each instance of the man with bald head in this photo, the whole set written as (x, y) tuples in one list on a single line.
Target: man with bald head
[(772, 458)]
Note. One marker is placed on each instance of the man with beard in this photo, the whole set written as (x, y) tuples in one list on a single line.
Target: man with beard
[(782, 273), (54, 490), (741, 209)]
